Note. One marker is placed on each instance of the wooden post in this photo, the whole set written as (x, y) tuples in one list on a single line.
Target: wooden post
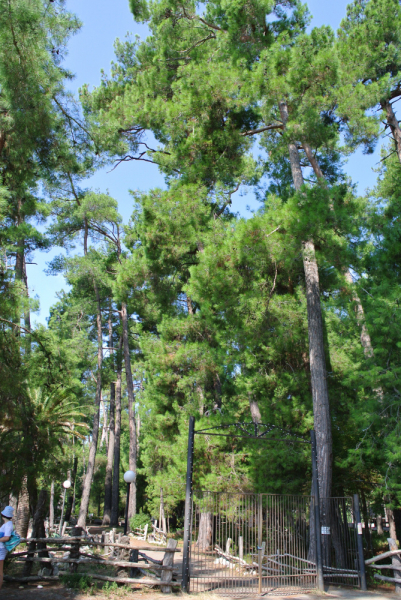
[(168, 560), (74, 554), (228, 544), (396, 562), (134, 558)]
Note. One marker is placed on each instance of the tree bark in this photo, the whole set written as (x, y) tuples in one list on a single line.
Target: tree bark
[(255, 412), (162, 514), (321, 406), (131, 410), (205, 535), (115, 497), (38, 530), (394, 126), (23, 511), (379, 525), (391, 523), (365, 337), (110, 456), (86, 488), (104, 439)]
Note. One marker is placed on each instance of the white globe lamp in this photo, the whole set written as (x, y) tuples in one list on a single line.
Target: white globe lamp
[(129, 476)]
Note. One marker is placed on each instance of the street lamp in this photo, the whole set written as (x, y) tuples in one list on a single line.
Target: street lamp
[(66, 486), (129, 477)]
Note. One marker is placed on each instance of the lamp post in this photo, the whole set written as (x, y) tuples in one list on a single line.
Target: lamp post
[(129, 477), (66, 486)]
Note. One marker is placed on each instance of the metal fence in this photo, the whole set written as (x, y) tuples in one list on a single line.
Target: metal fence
[(339, 542), (251, 543)]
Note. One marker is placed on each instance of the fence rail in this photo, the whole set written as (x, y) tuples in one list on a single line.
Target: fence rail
[(138, 562)]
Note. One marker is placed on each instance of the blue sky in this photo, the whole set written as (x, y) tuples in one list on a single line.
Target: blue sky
[(90, 51)]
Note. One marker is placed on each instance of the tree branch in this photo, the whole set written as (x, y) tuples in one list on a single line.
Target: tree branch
[(267, 128)]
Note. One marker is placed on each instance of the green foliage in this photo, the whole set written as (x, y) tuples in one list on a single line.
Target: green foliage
[(76, 581), (140, 520)]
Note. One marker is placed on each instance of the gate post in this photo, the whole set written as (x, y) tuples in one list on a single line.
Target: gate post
[(188, 506), (316, 503), (361, 558)]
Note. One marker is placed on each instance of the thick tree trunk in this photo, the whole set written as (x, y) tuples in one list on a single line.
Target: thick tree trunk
[(23, 511), (131, 410), (86, 488), (108, 484), (115, 497), (205, 535), (38, 530), (321, 407), (365, 337), (394, 126)]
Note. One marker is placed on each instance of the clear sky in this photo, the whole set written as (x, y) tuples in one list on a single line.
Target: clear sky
[(90, 51)]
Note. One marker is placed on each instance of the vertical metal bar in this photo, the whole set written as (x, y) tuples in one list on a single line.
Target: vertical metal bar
[(188, 506), (362, 572), (316, 502)]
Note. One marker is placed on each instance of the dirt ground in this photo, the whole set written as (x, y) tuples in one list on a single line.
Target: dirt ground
[(57, 592)]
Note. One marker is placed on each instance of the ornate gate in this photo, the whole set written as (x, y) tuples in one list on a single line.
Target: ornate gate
[(250, 543)]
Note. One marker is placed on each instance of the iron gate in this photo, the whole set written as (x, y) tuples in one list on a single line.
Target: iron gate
[(339, 542), (250, 543)]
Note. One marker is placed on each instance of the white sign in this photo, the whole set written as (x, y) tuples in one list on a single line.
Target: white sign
[(325, 530), (360, 528)]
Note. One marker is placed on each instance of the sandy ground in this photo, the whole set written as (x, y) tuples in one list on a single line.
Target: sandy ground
[(51, 592)]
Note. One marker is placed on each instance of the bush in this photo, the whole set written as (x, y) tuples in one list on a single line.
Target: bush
[(76, 581), (139, 520)]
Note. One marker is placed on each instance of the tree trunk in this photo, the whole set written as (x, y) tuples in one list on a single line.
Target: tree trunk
[(23, 511), (51, 507), (255, 412), (391, 523), (86, 488), (104, 427), (365, 337), (115, 496), (394, 126), (162, 514), (205, 535), (131, 410), (71, 497), (108, 484), (38, 530), (379, 525), (321, 407)]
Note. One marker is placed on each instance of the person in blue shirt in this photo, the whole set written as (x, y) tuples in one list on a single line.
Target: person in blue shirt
[(5, 533)]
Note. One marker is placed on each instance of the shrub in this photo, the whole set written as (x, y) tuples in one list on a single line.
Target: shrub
[(76, 581), (140, 520)]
